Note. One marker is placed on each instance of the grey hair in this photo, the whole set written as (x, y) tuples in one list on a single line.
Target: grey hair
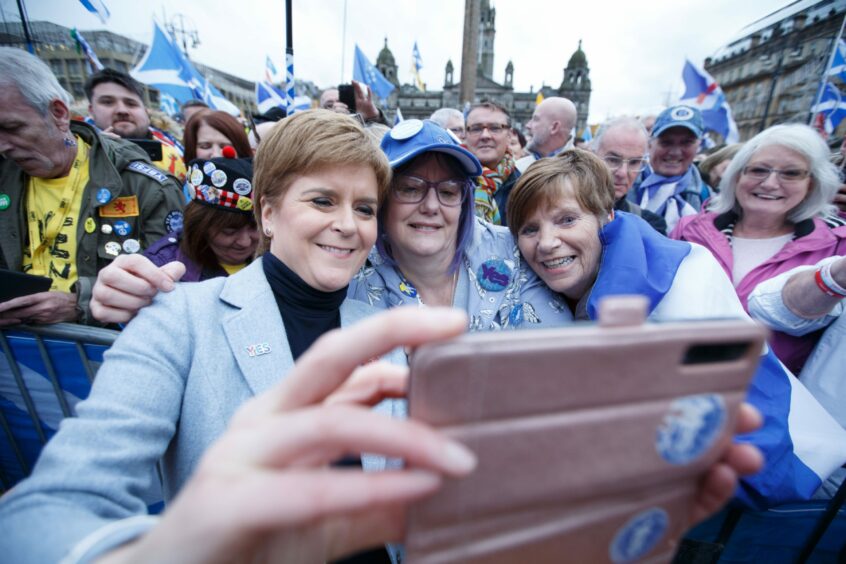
[(797, 137), (624, 122), (32, 77), (442, 116)]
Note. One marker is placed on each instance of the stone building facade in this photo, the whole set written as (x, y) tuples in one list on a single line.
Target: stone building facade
[(414, 103), (771, 72)]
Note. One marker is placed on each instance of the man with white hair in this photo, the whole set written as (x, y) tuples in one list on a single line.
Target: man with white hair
[(451, 119), (622, 143), (551, 129), (71, 199)]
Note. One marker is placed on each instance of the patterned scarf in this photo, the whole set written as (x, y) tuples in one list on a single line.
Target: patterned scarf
[(487, 185)]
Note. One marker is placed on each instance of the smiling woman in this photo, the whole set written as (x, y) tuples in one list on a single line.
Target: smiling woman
[(773, 213)]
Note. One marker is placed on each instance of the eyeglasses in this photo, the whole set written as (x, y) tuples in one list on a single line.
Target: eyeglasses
[(785, 175), (413, 190), (494, 128), (459, 131), (633, 165)]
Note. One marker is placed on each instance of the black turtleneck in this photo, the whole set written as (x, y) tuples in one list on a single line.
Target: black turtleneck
[(307, 313)]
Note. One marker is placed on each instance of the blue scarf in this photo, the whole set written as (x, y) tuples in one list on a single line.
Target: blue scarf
[(687, 191), (636, 259)]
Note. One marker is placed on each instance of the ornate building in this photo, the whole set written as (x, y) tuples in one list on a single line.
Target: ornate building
[(417, 104), (771, 72)]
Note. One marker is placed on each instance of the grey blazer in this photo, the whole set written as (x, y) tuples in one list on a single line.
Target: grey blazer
[(166, 391)]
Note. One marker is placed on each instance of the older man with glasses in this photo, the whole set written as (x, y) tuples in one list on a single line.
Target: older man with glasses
[(622, 143), (488, 131)]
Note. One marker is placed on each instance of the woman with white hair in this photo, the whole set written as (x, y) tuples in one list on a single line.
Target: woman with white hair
[(773, 213)]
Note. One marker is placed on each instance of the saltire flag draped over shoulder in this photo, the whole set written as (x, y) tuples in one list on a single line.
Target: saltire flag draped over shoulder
[(98, 8), (801, 442), (365, 72), (83, 46), (166, 68), (830, 110), (416, 65), (838, 63), (703, 92)]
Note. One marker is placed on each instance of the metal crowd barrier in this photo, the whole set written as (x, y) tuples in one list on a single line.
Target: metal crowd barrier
[(46, 370)]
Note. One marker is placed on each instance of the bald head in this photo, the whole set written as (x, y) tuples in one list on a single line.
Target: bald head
[(551, 124)]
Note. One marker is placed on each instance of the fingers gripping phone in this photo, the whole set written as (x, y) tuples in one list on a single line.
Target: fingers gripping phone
[(590, 439)]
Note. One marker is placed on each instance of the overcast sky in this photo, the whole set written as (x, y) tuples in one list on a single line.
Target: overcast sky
[(635, 50)]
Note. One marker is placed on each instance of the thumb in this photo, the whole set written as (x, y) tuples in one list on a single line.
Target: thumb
[(174, 270)]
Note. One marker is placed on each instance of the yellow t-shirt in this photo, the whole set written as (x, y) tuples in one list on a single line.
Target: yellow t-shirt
[(52, 214), (233, 268)]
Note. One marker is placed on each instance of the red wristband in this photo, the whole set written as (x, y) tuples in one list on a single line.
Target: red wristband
[(823, 286)]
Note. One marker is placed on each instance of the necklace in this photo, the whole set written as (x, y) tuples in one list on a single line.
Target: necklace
[(408, 289)]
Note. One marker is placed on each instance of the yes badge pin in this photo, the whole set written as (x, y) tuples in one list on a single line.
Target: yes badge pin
[(90, 225), (122, 228), (494, 275), (104, 196)]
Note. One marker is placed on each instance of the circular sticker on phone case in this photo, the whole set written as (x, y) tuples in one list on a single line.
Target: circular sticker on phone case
[(494, 275), (639, 535), (690, 427)]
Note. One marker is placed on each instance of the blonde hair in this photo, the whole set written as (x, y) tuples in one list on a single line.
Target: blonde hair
[(541, 184), (305, 143)]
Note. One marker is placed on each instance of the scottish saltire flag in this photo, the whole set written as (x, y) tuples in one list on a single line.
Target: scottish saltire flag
[(586, 134), (801, 442), (98, 8), (83, 47), (398, 117), (269, 70), (168, 70), (838, 63), (830, 109), (703, 92), (416, 65), (268, 96), (365, 72)]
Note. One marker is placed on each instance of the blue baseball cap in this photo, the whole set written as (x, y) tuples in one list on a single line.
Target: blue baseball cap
[(679, 116), (413, 137)]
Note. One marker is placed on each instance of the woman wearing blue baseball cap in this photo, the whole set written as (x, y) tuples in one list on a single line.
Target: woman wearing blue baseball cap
[(431, 248)]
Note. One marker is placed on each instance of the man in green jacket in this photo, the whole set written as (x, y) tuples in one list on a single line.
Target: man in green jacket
[(71, 200)]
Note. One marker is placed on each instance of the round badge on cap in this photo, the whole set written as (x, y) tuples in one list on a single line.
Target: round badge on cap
[(106, 229), (218, 178), (131, 246), (103, 195), (209, 167), (5, 202), (122, 228), (196, 176), (244, 204), (112, 248), (682, 113), (90, 225), (242, 186), (406, 129)]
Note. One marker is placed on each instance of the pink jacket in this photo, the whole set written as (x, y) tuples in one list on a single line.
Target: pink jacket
[(815, 240)]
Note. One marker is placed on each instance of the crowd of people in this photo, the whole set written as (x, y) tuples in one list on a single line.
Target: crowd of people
[(247, 268)]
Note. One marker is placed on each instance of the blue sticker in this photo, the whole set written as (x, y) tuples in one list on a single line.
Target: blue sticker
[(516, 315), (494, 275), (639, 535), (104, 196), (173, 221), (122, 228), (407, 289), (690, 428)]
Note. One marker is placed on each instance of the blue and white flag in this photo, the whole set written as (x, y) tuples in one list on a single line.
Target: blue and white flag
[(98, 8), (168, 70), (703, 92), (587, 136), (269, 70), (398, 116), (830, 110), (83, 46), (268, 96), (365, 72), (838, 63), (801, 442), (416, 65)]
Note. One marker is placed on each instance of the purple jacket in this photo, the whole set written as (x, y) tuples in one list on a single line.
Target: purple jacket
[(814, 240), (167, 250)]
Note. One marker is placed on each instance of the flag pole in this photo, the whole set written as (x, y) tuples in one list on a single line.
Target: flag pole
[(343, 43), (25, 23), (826, 70), (289, 57)]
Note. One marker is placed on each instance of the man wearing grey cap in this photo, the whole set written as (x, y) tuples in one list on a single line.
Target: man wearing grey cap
[(671, 186)]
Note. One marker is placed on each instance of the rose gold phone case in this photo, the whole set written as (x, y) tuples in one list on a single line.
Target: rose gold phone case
[(590, 439)]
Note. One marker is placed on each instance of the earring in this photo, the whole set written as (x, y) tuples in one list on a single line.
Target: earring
[(268, 232)]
